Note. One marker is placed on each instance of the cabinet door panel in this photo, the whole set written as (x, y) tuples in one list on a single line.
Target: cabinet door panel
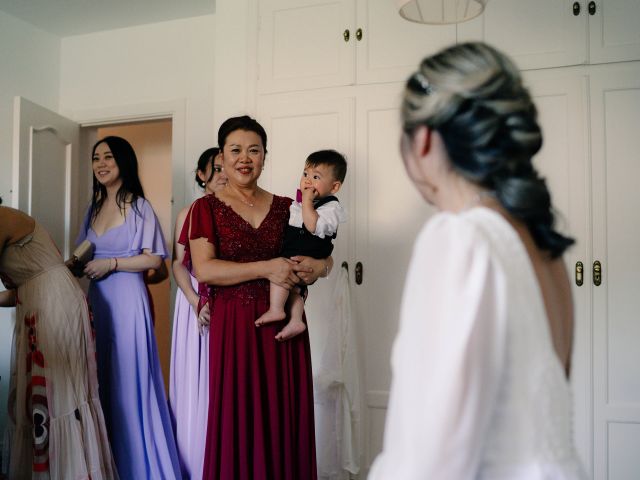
[(301, 45), (297, 126), (615, 106), (560, 98), (389, 213), (392, 47), (539, 34), (613, 31)]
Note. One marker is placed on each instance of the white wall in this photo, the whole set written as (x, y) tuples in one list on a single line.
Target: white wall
[(28, 67), (162, 62)]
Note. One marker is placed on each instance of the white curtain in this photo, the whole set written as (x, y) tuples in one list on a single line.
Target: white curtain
[(337, 391)]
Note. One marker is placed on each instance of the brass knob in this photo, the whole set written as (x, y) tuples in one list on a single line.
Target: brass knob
[(359, 34), (579, 273), (346, 35), (576, 9), (592, 8), (597, 273)]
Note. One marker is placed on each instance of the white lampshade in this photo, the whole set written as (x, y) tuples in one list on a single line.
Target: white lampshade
[(440, 12)]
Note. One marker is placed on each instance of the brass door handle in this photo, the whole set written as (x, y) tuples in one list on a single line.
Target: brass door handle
[(597, 273), (346, 35), (359, 34), (579, 273)]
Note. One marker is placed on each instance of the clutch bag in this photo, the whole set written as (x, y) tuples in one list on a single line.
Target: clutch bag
[(83, 252)]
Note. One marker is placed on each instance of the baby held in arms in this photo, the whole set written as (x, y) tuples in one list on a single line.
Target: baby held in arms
[(313, 225)]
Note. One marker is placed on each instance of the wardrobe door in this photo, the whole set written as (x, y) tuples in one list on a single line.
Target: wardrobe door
[(544, 33), (561, 99), (613, 31), (301, 44), (298, 124), (615, 114), (391, 47), (389, 213)]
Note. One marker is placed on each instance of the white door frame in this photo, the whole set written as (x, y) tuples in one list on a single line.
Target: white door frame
[(174, 110)]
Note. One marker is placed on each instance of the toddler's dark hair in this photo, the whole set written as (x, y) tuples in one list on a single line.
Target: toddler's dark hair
[(331, 158)]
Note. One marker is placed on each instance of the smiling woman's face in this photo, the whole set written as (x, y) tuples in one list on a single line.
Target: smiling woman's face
[(243, 157), (104, 165)]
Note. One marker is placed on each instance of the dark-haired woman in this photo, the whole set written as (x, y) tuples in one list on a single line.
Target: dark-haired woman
[(189, 378), (260, 422), (128, 241), (481, 362)]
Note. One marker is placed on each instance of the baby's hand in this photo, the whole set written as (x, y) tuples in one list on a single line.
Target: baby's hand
[(308, 195)]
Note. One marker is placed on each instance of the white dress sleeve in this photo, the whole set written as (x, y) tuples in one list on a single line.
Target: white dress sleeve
[(330, 215), (447, 357)]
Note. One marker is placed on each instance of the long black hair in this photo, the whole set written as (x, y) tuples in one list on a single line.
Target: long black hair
[(131, 188)]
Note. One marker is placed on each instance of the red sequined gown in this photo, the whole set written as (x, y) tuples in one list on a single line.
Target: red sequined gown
[(260, 421)]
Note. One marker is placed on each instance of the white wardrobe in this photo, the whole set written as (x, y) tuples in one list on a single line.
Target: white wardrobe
[(330, 74)]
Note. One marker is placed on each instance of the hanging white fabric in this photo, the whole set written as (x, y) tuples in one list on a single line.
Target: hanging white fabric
[(337, 391), (439, 12)]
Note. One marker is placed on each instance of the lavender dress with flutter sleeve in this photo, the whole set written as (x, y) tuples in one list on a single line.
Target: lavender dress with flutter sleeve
[(131, 386)]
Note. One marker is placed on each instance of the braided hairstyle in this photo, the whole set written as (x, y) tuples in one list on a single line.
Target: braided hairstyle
[(474, 97)]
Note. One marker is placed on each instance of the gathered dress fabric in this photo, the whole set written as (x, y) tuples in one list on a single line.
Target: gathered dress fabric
[(478, 391), (131, 384), (260, 422), (189, 380), (57, 428)]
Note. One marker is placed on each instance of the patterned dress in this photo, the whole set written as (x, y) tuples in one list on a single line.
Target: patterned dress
[(57, 428), (260, 423)]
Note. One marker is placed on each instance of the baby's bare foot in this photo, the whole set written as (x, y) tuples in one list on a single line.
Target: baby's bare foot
[(290, 330), (271, 316)]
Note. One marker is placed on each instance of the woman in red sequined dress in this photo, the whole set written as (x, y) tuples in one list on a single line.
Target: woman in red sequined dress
[(260, 421)]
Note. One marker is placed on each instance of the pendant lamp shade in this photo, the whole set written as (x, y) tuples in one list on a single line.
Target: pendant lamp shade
[(439, 12)]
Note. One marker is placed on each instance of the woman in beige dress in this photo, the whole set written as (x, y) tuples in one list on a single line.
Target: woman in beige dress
[(56, 425)]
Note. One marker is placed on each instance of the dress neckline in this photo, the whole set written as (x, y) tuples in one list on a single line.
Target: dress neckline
[(126, 217), (262, 222)]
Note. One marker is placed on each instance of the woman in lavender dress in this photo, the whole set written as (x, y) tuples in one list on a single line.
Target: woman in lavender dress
[(128, 241), (189, 379)]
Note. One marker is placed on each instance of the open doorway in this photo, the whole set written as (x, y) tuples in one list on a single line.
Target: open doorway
[(152, 142)]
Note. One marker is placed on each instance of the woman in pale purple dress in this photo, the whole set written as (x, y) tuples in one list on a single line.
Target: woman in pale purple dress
[(128, 241), (189, 379)]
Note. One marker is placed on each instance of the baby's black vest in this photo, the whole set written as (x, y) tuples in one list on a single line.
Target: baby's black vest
[(299, 241)]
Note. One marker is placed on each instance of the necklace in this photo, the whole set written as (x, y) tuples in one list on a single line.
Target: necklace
[(242, 199)]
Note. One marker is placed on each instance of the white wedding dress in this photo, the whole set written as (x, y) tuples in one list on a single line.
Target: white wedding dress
[(478, 391)]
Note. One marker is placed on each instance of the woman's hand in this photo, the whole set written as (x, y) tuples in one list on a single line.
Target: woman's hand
[(96, 269), (204, 318), (309, 269), (282, 271)]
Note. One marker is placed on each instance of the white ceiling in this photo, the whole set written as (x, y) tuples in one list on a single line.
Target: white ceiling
[(74, 17)]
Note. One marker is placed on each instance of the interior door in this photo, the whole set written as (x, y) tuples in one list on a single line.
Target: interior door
[(46, 170)]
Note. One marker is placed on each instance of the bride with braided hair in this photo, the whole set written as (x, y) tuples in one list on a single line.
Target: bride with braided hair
[(482, 358)]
